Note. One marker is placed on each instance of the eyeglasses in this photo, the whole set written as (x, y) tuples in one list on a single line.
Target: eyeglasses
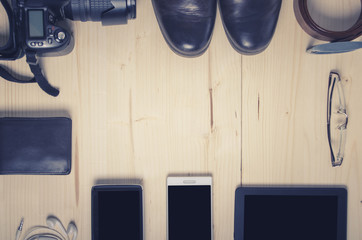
[(337, 118)]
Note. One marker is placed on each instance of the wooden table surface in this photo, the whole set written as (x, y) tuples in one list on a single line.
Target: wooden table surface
[(141, 113)]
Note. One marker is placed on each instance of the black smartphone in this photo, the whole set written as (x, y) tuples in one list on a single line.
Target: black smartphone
[(117, 212), (189, 208)]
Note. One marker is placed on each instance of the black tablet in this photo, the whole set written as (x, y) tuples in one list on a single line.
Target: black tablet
[(290, 213), (117, 212)]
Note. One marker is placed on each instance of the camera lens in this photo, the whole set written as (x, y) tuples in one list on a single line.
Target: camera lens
[(109, 12)]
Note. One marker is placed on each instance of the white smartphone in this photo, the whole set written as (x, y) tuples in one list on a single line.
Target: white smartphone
[(189, 208)]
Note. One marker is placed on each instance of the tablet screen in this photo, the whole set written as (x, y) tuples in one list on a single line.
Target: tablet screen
[(290, 213), (290, 217)]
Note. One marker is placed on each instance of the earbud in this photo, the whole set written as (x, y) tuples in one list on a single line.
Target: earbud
[(53, 221), (72, 229)]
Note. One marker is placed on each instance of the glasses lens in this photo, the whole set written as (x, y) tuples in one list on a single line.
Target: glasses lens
[(4, 26)]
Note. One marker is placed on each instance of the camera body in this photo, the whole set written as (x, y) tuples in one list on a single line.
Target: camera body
[(34, 26), (38, 28), (39, 25)]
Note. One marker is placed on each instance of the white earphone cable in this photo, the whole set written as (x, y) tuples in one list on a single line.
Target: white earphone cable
[(57, 235), (48, 233)]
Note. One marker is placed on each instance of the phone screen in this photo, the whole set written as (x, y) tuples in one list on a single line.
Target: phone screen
[(117, 213), (189, 212)]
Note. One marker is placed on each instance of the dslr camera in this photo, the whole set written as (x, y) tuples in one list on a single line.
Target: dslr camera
[(37, 28)]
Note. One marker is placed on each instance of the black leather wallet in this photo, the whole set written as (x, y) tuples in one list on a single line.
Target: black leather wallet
[(35, 146)]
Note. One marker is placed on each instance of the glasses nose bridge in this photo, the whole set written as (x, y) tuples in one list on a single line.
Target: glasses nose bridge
[(342, 112)]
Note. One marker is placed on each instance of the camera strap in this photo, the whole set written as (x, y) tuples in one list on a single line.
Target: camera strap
[(38, 75), (7, 76)]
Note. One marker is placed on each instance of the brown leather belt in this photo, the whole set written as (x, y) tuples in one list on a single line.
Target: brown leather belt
[(306, 22)]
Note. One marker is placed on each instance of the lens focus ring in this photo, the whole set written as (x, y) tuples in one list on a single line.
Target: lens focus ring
[(97, 7)]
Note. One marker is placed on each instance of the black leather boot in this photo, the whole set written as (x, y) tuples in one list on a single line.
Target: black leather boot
[(186, 25), (249, 24)]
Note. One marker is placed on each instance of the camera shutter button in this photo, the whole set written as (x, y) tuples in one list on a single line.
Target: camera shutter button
[(60, 36)]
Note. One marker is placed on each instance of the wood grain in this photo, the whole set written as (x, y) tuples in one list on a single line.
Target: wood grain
[(141, 113)]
